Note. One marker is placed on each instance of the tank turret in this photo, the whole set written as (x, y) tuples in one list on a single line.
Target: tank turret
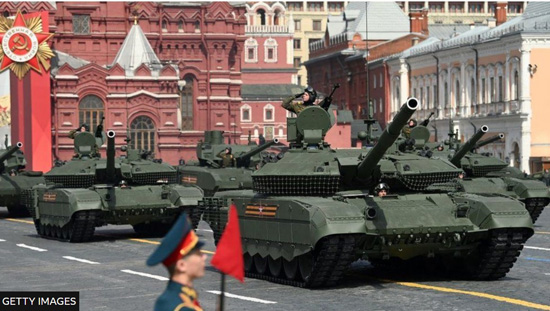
[(489, 140), (467, 146), (387, 139), (8, 153), (244, 159)]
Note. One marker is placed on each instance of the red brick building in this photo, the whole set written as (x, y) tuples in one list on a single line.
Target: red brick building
[(178, 72)]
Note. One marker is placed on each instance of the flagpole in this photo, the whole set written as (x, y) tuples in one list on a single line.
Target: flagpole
[(222, 293)]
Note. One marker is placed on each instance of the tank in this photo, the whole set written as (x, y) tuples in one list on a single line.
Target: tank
[(208, 173), (487, 174), (89, 192), (311, 214), (15, 182)]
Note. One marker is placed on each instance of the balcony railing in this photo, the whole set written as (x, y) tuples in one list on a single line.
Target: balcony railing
[(266, 29)]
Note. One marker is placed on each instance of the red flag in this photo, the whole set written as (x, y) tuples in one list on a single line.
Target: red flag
[(229, 255)]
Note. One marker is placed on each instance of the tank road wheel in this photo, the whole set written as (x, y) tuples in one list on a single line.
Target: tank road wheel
[(48, 230), (275, 265), (260, 263), (290, 268), (305, 262), (248, 263), (65, 233)]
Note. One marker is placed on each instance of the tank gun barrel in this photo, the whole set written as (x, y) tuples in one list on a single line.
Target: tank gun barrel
[(455, 160), (110, 169), (257, 150), (388, 137), (9, 153), (489, 140)]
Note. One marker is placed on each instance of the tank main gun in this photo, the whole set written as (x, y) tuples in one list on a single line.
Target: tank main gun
[(467, 146), (243, 158), (387, 139), (8, 153), (110, 169), (489, 140)]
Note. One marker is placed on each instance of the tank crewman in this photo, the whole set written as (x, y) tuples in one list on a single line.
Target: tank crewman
[(83, 128), (308, 99), (440, 147), (261, 139), (406, 131), (228, 159), (546, 177), (381, 190), (180, 252)]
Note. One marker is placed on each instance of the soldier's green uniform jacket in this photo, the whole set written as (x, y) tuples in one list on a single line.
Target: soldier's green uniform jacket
[(228, 160), (290, 105), (406, 131), (178, 297)]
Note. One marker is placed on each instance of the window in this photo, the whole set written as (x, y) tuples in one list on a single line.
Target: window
[(421, 96), (335, 6), (427, 97), (297, 44), (310, 41), (297, 61), (268, 112), (436, 7), (515, 7), (180, 26), (472, 91), (90, 111), (457, 93), (81, 24), (381, 103), (492, 7), (197, 26), (483, 91), (374, 80), (492, 86), (187, 98), (315, 6), (475, 7), (500, 91), (456, 7), (295, 6), (374, 105), (142, 133), (516, 86), (164, 26), (251, 47), (416, 6), (381, 80), (246, 113), (316, 25), (270, 50), (446, 99), (6, 13), (261, 15), (297, 24)]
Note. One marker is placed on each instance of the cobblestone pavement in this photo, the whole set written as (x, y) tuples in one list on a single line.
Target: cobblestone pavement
[(111, 274)]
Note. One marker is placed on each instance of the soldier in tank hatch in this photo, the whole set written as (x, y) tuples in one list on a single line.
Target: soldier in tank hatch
[(228, 159), (83, 128), (381, 190), (180, 252), (308, 99)]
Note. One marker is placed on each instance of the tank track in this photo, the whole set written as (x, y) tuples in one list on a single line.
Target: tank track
[(331, 260), (498, 255), (534, 209), (81, 228)]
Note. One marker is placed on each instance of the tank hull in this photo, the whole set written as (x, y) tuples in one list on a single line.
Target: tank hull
[(314, 239), (73, 214), (13, 191)]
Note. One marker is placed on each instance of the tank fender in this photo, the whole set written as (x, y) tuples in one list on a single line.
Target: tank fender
[(301, 224), (527, 188), (57, 206), (185, 195), (490, 211)]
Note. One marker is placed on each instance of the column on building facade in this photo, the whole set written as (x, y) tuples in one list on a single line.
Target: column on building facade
[(507, 83), (447, 105), (446, 6), (485, 7), (525, 108), (404, 81), (463, 85)]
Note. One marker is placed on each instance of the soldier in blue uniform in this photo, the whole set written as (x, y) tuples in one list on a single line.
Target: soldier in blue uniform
[(180, 252)]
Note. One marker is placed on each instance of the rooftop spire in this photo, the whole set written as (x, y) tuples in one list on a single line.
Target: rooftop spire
[(135, 50)]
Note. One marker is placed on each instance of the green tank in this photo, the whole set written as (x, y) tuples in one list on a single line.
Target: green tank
[(487, 174), (89, 192), (15, 182), (208, 172), (311, 214)]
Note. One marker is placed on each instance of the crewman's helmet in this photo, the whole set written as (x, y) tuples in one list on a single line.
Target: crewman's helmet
[(413, 121), (229, 149), (312, 95), (86, 126), (381, 186)]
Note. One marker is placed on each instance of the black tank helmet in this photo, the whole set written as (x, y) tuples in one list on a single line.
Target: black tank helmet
[(229, 149), (312, 95), (86, 126), (381, 186)]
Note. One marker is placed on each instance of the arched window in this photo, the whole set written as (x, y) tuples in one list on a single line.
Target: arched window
[(473, 91), (90, 111), (142, 133), (277, 17), (6, 13), (180, 26), (446, 94), (197, 26), (187, 98), (261, 14), (457, 94), (270, 50)]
